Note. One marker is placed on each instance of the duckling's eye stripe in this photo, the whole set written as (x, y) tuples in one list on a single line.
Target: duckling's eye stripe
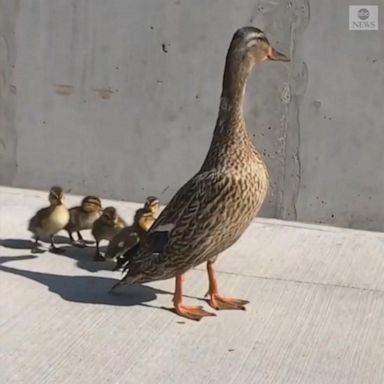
[(92, 203), (255, 41), (254, 35)]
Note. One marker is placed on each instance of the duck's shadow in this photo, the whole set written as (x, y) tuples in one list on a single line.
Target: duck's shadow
[(82, 256), (84, 289), (16, 243), (27, 244)]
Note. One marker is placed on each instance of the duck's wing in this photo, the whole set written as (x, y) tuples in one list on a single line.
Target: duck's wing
[(122, 242), (180, 202), (190, 204), (39, 218)]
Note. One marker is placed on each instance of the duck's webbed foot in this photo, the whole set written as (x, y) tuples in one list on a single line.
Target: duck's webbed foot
[(53, 247), (217, 301), (190, 312), (35, 247)]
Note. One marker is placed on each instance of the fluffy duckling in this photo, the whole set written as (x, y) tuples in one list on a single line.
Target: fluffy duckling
[(145, 217), (50, 220), (130, 236), (106, 227), (83, 217)]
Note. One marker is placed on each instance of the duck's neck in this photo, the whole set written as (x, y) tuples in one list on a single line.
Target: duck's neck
[(232, 96), (230, 132)]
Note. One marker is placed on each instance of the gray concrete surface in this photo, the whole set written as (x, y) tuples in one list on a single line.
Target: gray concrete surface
[(316, 312), (120, 99), (341, 124)]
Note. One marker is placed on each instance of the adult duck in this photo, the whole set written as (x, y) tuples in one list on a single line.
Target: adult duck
[(214, 208)]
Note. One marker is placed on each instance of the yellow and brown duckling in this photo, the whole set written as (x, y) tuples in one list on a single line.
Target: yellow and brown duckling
[(83, 217), (108, 225), (214, 208), (145, 217), (131, 235), (50, 220)]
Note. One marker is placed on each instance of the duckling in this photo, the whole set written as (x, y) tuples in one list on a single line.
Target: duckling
[(50, 220), (145, 217), (83, 217), (212, 210), (106, 227), (129, 236)]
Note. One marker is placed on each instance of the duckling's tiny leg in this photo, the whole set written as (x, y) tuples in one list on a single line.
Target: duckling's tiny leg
[(72, 240), (35, 247), (190, 312), (98, 256), (80, 241), (216, 301), (53, 246)]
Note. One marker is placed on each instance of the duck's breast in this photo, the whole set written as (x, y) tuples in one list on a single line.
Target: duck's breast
[(222, 217), (86, 220), (58, 219)]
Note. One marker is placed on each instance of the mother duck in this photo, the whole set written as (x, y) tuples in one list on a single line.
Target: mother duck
[(213, 209)]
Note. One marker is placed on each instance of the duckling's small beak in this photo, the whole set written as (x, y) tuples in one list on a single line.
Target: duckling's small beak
[(276, 55)]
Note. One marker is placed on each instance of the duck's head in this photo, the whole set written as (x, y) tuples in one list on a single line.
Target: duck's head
[(251, 45), (91, 204), (56, 195), (110, 215), (152, 204)]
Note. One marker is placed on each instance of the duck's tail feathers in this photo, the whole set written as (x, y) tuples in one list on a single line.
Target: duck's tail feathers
[(124, 260), (126, 280)]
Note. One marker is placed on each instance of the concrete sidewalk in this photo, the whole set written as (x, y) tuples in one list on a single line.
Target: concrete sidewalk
[(316, 312)]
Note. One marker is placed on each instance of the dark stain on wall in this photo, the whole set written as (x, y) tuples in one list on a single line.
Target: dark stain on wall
[(8, 132)]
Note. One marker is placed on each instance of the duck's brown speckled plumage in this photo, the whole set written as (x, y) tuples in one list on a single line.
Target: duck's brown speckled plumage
[(213, 209)]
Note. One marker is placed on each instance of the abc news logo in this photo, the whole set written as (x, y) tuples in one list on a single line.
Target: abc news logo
[(363, 17)]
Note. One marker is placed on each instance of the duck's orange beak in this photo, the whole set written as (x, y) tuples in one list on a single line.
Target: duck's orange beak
[(276, 55)]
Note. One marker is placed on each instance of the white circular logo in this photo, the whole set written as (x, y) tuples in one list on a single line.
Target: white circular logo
[(363, 14)]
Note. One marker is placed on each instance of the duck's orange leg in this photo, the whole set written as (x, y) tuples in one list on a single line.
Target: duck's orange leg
[(190, 312), (216, 301)]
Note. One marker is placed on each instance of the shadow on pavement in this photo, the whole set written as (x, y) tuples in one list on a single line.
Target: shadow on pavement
[(17, 243), (84, 289), (84, 259), (82, 256)]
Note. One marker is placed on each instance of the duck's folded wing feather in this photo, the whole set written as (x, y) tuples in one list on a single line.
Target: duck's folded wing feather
[(39, 218), (177, 220)]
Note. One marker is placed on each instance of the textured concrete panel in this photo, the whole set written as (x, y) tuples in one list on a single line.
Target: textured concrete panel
[(121, 98), (341, 124), (8, 91)]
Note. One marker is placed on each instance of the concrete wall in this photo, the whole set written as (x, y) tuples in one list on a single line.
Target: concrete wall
[(8, 132), (341, 120), (119, 98)]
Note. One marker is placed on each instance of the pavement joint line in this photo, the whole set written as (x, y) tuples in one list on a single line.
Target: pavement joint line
[(318, 227), (316, 283), (333, 285)]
